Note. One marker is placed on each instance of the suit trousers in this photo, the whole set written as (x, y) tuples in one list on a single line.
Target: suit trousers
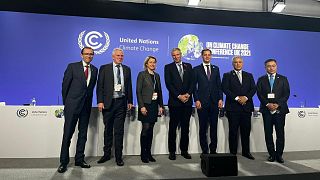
[(70, 123), (179, 116), (242, 120), (208, 115), (277, 120), (113, 119)]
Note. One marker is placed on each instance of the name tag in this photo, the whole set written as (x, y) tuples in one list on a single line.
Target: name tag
[(271, 96), (117, 87), (154, 96)]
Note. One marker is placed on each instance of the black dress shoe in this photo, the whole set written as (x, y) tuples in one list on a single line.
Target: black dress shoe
[(62, 168), (280, 159), (213, 152), (248, 155), (172, 156), (186, 155), (82, 164), (144, 160), (271, 159), (103, 159), (119, 162), (151, 159)]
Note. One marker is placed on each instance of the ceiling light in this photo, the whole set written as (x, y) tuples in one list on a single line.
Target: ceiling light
[(193, 2), (278, 6)]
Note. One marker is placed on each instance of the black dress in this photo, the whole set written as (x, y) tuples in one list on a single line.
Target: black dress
[(152, 109)]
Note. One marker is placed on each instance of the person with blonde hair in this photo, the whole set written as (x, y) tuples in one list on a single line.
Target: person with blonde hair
[(150, 104)]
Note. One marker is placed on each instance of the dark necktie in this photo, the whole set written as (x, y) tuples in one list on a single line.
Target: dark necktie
[(118, 74), (208, 71), (86, 72), (180, 71)]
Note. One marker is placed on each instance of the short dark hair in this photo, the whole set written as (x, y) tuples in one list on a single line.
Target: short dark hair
[(206, 49), (86, 48), (270, 60)]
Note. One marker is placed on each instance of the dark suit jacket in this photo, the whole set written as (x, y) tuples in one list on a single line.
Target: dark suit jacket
[(232, 88), (281, 90), (75, 89), (207, 91), (105, 86), (176, 86), (145, 89)]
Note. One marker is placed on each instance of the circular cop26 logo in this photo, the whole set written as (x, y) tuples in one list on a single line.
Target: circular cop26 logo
[(190, 47), (22, 113), (94, 39), (301, 114), (59, 113)]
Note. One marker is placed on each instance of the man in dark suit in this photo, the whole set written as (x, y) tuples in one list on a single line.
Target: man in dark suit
[(239, 88), (179, 82), (208, 99), (273, 92), (77, 91), (114, 94)]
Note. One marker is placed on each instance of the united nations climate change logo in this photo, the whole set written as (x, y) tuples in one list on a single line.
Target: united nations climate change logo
[(190, 47), (301, 114), (59, 113), (94, 39), (22, 113)]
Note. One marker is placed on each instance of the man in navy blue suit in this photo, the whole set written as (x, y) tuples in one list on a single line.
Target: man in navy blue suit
[(273, 92), (77, 91), (114, 96), (179, 81), (208, 99), (239, 88)]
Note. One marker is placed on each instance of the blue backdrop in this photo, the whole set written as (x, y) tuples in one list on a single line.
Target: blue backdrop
[(35, 50)]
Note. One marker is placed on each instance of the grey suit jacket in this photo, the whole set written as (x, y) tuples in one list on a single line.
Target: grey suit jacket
[(145, 88)]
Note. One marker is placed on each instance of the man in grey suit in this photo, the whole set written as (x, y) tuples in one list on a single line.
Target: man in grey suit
[(114, 94), (273, 92), (208, 99), (77, 91)]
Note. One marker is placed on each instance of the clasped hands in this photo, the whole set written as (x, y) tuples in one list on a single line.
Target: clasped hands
[(242, 100), (272, 106), (184, 97)]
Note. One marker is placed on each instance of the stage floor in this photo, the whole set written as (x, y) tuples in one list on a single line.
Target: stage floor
[(45, 168)]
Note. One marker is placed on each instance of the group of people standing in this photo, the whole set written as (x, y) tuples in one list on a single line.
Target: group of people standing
[(201, 84)]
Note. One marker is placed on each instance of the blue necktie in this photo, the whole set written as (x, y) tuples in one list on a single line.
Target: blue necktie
[(271, 81)]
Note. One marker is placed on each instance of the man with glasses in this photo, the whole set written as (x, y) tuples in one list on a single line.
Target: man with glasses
[(77, 91)]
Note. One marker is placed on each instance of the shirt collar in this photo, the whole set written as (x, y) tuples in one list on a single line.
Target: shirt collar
[(114, 64), (205, 64), (84, 64)]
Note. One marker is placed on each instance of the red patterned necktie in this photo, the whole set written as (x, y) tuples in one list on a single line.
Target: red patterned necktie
[(86, 71)]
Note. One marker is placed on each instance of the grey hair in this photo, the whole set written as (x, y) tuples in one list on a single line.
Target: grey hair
[(116, 49), (236, 57)]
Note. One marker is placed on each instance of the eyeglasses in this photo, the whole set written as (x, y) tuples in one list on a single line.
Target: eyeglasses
[(88, 54)]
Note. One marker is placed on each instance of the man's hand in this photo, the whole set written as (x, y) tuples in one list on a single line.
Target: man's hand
[(220, 104), (130, 106), (198, 104), (143, 111), (100, 107)]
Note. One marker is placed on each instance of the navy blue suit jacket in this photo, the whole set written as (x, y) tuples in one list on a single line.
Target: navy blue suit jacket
[(207, 90), (232, 88), (176, 86), (105, 85), (75, 89), (281, 90)]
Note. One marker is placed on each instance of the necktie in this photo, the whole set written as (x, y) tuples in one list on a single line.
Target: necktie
[(86, 72), (271, 81), (118, 74), (239, 76), (208, 71), (180, 71)]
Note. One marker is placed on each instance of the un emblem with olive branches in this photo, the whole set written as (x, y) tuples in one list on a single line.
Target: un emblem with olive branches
[(90, 40)]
